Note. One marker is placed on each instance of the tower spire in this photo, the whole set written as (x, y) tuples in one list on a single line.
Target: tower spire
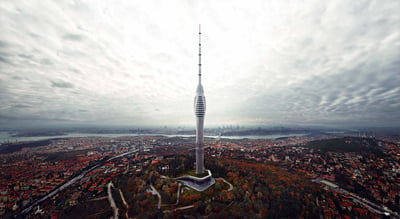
[(199, 53)]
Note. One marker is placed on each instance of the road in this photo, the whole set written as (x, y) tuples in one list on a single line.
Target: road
[(180, 208), (362, 201), (158, 195), (178, 194), (111, 200), (52, 193), (124, 202), (70, 182), (184, 207), (230, 185)]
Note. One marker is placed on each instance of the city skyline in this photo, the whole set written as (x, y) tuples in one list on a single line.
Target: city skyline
[(330, 63)]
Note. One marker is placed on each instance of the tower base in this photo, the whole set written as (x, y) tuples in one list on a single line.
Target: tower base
[(197, 183)]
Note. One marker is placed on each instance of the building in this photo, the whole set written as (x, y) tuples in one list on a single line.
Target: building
[(199, 111), (199, 182)]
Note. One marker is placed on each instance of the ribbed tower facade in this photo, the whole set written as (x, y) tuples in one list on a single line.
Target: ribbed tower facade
[(199, 111)]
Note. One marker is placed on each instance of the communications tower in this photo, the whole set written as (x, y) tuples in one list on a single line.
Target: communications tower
[(199, 111)]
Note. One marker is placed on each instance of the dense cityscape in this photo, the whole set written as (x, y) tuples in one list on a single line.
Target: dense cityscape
[(135, 177)]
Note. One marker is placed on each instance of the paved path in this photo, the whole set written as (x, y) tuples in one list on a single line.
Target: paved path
[(125, 203), (180, 208), (98, 199), (184, 208), (178, 193), (230, 185), (158, 194), (111, 200)]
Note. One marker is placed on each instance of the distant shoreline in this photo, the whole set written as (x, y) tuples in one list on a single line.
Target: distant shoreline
[(6, 137), (38, 134)]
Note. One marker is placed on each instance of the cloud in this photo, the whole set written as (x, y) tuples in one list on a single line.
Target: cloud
[(62, 84), (264, 62), (4, 44), (4, 59), (73, 37), (22, 106)]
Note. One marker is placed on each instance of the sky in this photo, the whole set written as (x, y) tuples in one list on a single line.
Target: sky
[(134, 63)]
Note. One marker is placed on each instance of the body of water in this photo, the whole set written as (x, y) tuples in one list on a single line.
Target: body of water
[(7, 137)]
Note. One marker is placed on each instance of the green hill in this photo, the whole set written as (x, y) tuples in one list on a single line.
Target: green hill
[(346, 144)]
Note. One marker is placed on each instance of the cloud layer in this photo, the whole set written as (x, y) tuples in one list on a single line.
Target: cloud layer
[(135, 63)]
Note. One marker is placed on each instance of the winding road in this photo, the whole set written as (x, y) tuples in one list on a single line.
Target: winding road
[(158, 195), (124, 202), (230, 185), (111, 200)]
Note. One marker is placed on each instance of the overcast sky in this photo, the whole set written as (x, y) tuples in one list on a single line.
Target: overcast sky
[(328, 63)]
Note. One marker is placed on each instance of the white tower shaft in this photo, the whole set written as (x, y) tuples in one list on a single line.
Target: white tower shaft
[(199, 109)]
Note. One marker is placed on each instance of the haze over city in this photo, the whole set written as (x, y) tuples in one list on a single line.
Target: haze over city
[(324, 63)]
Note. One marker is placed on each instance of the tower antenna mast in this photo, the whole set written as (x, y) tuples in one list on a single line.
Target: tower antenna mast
[(199, 53)]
